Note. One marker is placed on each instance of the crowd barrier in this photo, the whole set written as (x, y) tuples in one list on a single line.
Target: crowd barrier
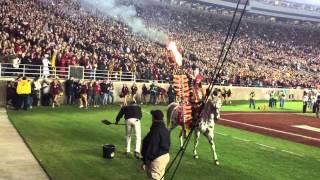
[(238, 93)]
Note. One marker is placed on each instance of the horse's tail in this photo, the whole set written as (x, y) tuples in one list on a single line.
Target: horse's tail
[(169, 113)]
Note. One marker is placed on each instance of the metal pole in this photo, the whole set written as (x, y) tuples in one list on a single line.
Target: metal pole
[(40, 74), (68, 72), (23, 70)]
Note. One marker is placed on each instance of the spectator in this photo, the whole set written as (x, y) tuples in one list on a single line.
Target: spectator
[(55, 90), (161, 98), (83, 95), (96, 93), (90, 93), (45, 94), (305, 102), (318, 106), (155, 147), (11, 93), (36, 87), (282, 97), (104, 92), (46, 63), (110, 99), (125, 94), (171, 94), (134, 90), (252, 101), (69, 90), (77, 91), (23, 91), (153, 94), (144, 94)]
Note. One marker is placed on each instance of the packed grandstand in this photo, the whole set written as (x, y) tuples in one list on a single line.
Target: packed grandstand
[(265, 53)]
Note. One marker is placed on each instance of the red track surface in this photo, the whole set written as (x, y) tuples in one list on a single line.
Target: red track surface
[(276, 125)]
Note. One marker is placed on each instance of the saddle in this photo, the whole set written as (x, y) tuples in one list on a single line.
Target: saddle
[(184, 118)]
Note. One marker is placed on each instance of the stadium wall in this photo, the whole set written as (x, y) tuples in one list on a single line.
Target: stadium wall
[(238, 93)]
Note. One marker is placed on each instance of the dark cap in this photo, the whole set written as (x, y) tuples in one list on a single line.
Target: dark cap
[(157, 115)]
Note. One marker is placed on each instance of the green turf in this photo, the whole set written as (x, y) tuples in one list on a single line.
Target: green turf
[(68, 142)]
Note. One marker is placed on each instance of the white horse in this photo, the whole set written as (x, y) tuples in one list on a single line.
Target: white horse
[(205, 125)]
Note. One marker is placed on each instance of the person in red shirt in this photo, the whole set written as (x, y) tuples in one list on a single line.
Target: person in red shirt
[(125, 94), (134, 90), (96, 93), (84, 95), (62, 64), (55, 90), (161, 97)]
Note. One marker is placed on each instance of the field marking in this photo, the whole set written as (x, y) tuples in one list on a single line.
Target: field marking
[(263, 145), (270, 129), (306, 127), (293, 153), (221, 134), (240, 139), (249, 113)]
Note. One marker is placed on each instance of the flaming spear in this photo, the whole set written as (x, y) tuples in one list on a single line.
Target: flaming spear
[(182, 88)]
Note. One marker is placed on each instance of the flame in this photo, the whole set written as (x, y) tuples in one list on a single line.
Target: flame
[(177, 56)]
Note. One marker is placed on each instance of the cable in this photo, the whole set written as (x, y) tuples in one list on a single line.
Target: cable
[(217, 70), (229, 47), (226, 39)]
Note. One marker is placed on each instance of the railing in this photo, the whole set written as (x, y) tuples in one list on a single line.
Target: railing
[(10, 70)]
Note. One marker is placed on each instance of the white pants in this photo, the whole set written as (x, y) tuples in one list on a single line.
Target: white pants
[(133, 123)]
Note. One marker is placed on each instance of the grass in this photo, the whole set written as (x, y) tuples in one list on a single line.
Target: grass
[(68, 142), (243, 106)]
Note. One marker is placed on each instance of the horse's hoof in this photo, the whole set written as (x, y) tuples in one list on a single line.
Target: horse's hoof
[(216, 162), (196, 156)]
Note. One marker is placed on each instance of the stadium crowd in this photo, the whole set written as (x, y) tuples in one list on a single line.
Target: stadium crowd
[(61, 33)]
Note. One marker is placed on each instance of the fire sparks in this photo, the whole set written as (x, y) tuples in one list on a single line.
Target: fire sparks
[(177, 56)]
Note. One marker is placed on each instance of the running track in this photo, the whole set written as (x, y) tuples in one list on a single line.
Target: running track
[(275, 124)]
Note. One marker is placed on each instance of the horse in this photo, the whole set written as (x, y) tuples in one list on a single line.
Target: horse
[(204, 125)]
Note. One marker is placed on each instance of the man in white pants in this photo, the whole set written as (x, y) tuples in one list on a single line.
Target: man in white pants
[(132, 114)]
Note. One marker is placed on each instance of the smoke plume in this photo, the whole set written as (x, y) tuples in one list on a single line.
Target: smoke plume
[(127, 15)]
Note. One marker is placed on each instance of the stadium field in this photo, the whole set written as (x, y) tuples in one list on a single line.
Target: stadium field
[(68, 143)]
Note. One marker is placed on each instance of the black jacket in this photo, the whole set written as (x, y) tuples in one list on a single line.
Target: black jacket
[(156, 143), (104, 87), (69, 86), (130, 111)]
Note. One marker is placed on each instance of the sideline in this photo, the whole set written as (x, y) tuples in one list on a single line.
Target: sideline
[(17, 161)]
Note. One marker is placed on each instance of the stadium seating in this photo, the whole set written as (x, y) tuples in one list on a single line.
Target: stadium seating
[(265, 53)]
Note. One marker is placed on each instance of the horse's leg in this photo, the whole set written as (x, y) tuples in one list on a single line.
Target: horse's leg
[(210, 136), (196, 142), (218, 113), (181, 138)]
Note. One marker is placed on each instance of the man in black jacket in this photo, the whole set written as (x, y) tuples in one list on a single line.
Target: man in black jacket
[(132, 114), (171, 94), (155, 147), (70, 90)]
